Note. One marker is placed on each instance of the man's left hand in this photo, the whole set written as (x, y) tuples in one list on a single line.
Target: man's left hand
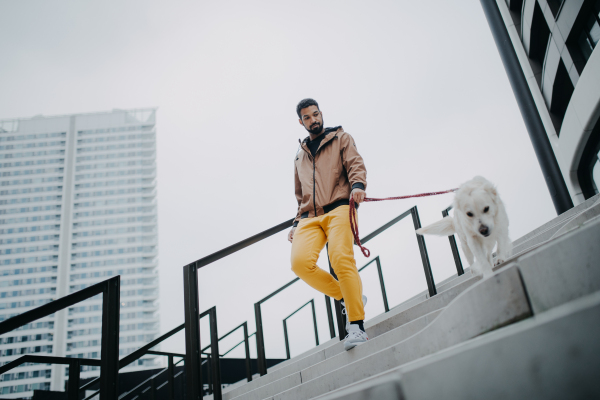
[(358, 195)]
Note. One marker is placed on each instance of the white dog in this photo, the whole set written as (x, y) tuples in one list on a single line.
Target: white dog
[(480, 221)]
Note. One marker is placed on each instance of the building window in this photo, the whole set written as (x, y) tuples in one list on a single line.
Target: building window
[(585, 34), (562, 91), (516, 10), (540, 35), (555, 6)]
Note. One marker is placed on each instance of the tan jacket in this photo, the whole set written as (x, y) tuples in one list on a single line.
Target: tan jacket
[(330, 176)]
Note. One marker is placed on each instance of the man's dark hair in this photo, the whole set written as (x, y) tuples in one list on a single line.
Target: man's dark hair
[(306, 103)]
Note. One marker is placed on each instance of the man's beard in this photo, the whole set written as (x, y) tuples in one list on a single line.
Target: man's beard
[(315, 128)]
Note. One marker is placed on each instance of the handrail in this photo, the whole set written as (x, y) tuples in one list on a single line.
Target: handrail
[(285, 333), (204, 261), (47, 360), (454, 247), (234, 347), (109, 353)]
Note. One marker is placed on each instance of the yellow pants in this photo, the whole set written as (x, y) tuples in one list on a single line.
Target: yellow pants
[(309, 239)]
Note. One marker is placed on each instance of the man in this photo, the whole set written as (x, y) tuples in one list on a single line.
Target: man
[(328, 171)]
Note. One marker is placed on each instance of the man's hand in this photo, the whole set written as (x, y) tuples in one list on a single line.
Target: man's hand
[(291, 234), (358, 195)]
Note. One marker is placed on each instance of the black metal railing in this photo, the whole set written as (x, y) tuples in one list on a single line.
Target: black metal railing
[(147, 349), (285, 331), (454, 247), (109, 360), (191, 299), (110, 364)]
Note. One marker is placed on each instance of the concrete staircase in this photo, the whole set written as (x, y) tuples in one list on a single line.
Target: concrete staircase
[(530, 331)]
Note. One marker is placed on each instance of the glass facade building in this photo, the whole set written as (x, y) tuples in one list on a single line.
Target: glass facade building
[(556, 42), (77, 206)]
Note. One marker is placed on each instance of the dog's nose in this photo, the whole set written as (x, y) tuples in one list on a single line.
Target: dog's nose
[(484, 230)]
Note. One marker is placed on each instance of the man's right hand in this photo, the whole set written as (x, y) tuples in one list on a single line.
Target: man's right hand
[(291, 234)]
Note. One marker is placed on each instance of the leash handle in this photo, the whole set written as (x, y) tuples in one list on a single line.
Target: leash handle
[(354, 222)]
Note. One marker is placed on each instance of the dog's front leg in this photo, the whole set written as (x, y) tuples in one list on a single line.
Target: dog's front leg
[(504, 249), (481, 257), (466, 249)]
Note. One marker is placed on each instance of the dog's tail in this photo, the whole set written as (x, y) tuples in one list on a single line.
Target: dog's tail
[(444, 227)]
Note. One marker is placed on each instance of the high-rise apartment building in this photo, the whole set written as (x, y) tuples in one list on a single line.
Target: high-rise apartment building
[(77, 206)]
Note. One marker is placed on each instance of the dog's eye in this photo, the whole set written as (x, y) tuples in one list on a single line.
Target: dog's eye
[(470, 214), (486, 209)]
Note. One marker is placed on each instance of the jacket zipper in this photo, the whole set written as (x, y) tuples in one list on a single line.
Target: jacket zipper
[(314, 185), (314, 169)]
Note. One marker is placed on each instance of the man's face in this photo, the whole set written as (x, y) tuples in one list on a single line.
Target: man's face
[(312, 119)]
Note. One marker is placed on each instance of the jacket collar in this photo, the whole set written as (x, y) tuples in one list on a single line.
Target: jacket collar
[(329, 134)]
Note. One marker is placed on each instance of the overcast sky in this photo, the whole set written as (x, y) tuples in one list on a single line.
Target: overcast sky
[(419, 85)]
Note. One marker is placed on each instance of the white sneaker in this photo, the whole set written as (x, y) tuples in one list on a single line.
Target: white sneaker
[(346, 314), (355, 337)]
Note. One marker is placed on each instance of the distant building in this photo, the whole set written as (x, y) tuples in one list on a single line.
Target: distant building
[(77, 206), (557, 45)]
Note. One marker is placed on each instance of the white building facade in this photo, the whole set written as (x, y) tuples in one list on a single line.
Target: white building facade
[(77, 206), (556, 42)]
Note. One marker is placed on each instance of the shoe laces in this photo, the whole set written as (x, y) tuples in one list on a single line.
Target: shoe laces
[(356, 335)]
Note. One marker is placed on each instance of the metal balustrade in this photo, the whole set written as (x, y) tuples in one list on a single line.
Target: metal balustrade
[(193, 360), (109, 360)]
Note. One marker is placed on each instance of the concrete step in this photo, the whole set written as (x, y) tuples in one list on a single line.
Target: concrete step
[(381, 324), (550, 229), (488, 305), (554, 355)]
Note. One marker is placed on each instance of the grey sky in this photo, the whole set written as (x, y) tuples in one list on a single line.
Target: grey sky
[(419, 85)]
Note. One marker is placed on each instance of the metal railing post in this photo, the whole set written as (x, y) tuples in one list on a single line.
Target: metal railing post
[(247, 346), (424, 256), (260, 342), (454, 247), (287, 342), (209, 375), (215, 358), (73, 385), (341, 323), (329, 316), (383, 293), (314, 313), (192, 333), (171, 379), (109, 367), (153, 389)]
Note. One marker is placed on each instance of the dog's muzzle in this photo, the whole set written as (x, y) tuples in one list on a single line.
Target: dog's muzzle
[(484, 230)]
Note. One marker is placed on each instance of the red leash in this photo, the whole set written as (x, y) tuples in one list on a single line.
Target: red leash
[(354, 222)]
